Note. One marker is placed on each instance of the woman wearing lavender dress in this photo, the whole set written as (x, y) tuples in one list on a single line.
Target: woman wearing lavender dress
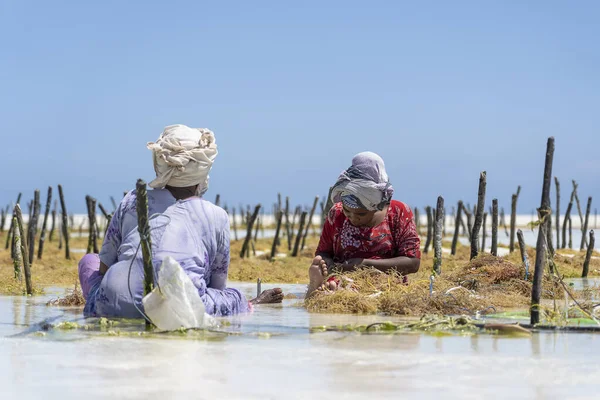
[(184, 226)]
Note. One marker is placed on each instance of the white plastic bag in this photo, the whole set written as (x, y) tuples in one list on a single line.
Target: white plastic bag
[(177, 304)]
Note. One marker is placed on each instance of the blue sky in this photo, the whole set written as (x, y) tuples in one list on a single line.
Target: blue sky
[(441, 90)]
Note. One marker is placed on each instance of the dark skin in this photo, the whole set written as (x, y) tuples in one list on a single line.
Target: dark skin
[(267, 296), (361, 217)]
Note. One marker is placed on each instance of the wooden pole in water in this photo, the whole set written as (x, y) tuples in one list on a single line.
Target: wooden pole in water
[(456, 228), (585, 223), (43, 234), (588, 255), (469, 221), (114, 203), (288, 226), (417, 220), (24, 250), (249, 231), (297, 212), (299, 235), (2, 220), (53, 224), (478, 215), (483, 232), (32, 226), (570, 234), (65, 224), (17, 258), (557, 222), (309, 222), (566, 221), (503, 221), (429, 229), (92, 239), (513, 221), (437, 241), (575, 186), (524, 257), (103, 210), (276, 238), (218, 200), (494, 249), (145, 239), (540, 257), (235, 234), (12, 227)]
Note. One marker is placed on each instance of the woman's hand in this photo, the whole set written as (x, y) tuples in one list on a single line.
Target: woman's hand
[(351, 264)]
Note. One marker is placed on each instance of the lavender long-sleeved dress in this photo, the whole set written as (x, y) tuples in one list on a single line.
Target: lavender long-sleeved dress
[(192, 231)]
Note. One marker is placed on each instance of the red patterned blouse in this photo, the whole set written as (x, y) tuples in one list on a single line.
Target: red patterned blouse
[(395, 236)]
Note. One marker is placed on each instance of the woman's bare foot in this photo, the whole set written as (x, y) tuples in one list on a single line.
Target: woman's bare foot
[(268, 296), (316, 275)]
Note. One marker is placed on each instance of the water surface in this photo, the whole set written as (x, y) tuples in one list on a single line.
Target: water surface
[(275, 357)]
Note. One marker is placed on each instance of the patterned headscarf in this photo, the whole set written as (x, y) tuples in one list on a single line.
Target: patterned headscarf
[(183, 157), (365, 184)]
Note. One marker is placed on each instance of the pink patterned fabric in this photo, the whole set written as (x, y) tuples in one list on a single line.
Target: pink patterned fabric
[(395, 236)]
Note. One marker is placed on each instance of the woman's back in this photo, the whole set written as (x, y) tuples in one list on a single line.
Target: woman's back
[(192, 231)]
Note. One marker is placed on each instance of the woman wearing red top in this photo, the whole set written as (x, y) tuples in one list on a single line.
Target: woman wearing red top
[(365, 227)]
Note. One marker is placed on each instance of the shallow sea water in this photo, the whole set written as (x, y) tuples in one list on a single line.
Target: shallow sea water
[(273, 356)]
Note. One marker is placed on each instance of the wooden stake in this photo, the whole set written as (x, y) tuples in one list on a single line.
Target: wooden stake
[(429, 229), (588, 255), (18, 258), (456, 227), (575, 186), (524, 257), (276, 238), (309, 222), (437, 241), (557, 222), (218, 200), (32, 226), (540, 257), (478, 215), (288, 230), (417, 220), (92, 239), (570, 234), (11, 228), (23, 248), (65, 224), (585, 223), (469, 221), (483, 232), (43, 234), (494, 249), (513, 222), (503, 221), (566, 220), (235, 234), (145, 239), (53, 225), (299, 235), (245, 246), (2, 220)]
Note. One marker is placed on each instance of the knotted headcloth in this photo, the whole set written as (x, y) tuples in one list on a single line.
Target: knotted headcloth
[(365, 184), (183, 157)]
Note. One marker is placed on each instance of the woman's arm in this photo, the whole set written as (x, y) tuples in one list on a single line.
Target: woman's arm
[(402, 264), (325, 249), (218, 299)]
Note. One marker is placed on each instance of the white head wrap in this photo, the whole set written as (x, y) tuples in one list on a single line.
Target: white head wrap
[(183, 157), (365, 184)]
